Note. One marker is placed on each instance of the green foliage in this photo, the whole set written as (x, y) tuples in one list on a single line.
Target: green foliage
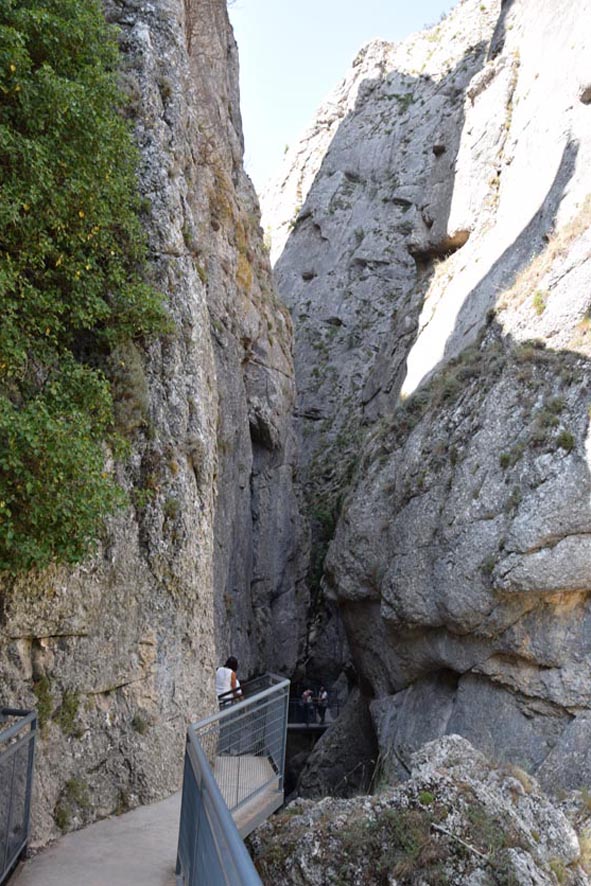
[(139, 724), (488, 565), (66, 717), (142, 497), (53, 487), (42, 691), (565, 440), (556, 405), (73, 798), (404, 100), (558, 868), (76, 791), (62, 816), (398, 842), (539, 301), (71, 286), (129, 388), (488, 832), (172, 508)]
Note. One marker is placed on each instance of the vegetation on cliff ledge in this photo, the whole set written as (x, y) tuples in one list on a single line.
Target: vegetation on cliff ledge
[(71, 275)]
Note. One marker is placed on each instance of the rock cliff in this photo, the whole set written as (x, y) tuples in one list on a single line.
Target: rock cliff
[(118, 655), (457, 820), (433, 226)]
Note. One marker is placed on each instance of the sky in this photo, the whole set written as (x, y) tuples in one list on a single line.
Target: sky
[(294, 52)]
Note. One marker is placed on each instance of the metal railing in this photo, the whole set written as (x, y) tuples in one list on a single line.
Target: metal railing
[(233, 780), (17, 754), (313, 714)]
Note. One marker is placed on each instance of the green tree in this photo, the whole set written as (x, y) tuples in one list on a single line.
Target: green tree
[(72, 254)]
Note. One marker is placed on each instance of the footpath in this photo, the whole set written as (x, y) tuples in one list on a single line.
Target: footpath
[(134, 849)]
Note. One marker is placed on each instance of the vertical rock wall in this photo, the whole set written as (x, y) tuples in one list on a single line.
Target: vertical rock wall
[(118, 655), (363, 184), (438, 272), (256, 524)]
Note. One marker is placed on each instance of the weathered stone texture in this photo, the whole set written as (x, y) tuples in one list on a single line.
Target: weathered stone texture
[(457, 820), (258, 592), (343, 760), (119, 654), (447, 179)]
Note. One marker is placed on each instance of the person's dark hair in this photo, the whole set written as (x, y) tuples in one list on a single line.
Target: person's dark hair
[(231, 663)]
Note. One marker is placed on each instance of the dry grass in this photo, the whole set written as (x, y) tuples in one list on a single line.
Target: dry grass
[(528, 282), (522, 777), (585, 844)]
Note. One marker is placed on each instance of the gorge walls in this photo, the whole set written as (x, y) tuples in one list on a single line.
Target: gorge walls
[(433, 233), (118, 655)]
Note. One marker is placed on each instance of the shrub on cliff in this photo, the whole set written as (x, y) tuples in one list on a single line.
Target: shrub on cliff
[(71, 284)]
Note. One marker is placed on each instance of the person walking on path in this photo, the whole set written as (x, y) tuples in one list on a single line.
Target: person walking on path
[(228, 691), (308, 705), (322, 704)]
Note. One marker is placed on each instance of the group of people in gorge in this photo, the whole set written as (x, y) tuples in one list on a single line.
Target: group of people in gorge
[(227, 687), (314, 705)]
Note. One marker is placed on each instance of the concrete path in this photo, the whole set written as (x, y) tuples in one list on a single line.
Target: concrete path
[(135, 849)]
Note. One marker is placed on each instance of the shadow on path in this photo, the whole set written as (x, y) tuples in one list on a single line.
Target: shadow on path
[(135, 849)]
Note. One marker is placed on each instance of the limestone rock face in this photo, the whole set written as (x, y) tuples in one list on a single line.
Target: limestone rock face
[(343, 760), (471, 579), (439, 272), (457, 820), (259, 595), (119, 654)]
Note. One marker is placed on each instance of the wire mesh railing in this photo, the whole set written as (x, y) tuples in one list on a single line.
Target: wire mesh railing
[(233, 780), (312, 710), (210, 850), (17, 753)]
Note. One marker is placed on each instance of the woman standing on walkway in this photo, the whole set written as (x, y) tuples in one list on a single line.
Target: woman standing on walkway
[(227, 686)]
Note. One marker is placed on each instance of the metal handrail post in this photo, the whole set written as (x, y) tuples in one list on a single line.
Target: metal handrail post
[(9, 818), (244, 744), (12, 749), (30, 770), (284, 744)]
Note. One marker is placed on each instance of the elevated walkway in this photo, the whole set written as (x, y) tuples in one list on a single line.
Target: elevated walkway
[(309, 719), (233, 781), (126, 850), (245, 774)]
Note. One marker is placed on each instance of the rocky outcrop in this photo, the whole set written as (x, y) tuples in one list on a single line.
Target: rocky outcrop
[(344, 759), (457, 820), (438, 271), (474, 621), (361, 185), (118, 655)]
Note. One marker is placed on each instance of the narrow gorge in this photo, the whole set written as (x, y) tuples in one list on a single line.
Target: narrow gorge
[(432, 239), (367, 465)]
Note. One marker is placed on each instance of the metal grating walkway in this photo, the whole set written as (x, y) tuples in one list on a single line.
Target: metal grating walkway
[(253, 779)]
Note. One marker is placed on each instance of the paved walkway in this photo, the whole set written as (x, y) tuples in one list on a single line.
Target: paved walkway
[(135, 849)]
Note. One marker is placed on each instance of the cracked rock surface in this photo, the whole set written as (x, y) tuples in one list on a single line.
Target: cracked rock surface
[(432, 239), (118, 655), (458, 819)]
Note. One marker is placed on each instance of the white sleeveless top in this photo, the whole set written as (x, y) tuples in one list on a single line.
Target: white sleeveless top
[(223, 681)]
